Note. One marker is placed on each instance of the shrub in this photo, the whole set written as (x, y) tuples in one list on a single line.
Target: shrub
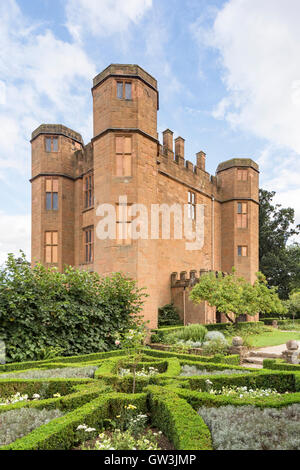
[(75, 310), (65, 373), (190, 333), (188, 371), (216, 346), (212, 335), (168, 315), (20, 422), (251, 428)]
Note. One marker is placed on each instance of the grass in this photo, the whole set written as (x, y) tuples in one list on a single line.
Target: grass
[(272, 338)]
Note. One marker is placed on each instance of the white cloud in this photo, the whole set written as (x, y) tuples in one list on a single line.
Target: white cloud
[(105, 17), (14, 235), (43, 79), (258, 45)]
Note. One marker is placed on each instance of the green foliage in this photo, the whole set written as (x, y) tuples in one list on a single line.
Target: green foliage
[(251, 428), (215, 346), (168, 315), (279, 364), (17, 423), (192, 333), (279, 262), (233, 295), (42, 310), (178, 421), (293, 304)]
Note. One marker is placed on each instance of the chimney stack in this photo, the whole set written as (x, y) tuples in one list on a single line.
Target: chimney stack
[(168, 140), (179, 150), (201, 157)]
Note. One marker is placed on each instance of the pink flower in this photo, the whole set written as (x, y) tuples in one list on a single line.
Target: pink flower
[(117, 342)]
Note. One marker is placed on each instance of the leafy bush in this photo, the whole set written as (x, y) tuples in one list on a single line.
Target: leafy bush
[(168, 315), (20, 422), (215, 346), (188, 371), (64, 373), (212, 335), (252, 428), (76, 310), (190, 333)]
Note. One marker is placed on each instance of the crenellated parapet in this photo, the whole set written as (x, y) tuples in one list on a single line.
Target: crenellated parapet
[(189, 279)]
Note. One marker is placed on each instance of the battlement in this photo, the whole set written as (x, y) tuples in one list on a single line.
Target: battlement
[(237, 162), (56, 129), (194, 277), (125, 70)]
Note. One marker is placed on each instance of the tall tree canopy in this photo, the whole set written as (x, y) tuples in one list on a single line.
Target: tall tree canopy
[(278, 261)]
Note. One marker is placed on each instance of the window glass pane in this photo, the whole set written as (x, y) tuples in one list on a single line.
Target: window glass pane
[(128, 91), (55, 186), (48, 144), (119, 144), (120, 90), (48, 238), (239, 251), (54, 254), (119, 165), (239, 208), (127, 165), (127, 146), (48, 201), (48, 254), (48, 185), (54, 238), (55, 144), (244, 207), (55, 201), (244, 251)]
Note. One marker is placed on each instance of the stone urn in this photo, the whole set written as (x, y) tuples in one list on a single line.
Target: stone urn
[(292, 345), (274, 324), (237, 341)]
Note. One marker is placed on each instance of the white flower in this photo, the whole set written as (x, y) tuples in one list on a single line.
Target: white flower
[(81, 426), (90, 429)]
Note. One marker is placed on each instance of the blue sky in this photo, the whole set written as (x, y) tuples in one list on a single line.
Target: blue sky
[(228, 75)]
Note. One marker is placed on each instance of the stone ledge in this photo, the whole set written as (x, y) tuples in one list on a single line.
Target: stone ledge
[(237, 162), (57, 129)]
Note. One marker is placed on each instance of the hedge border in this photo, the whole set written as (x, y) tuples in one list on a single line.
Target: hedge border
[(279, 364), (178, 420), (60, 433)]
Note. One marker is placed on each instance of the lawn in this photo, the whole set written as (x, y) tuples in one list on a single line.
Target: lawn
[(273, 338)]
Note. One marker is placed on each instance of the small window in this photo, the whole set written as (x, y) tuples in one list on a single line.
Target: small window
[(123, 225), (51, 194), (242, 175), (120, 90), (242, 215), (51, 247), (128, 91), (51, 144), (88, 183), (191, 205), (55, 144), (123, 156), (242, 251), (48, 144), (89, 244)]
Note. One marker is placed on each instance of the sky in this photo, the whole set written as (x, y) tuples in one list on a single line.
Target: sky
[(228, 74)]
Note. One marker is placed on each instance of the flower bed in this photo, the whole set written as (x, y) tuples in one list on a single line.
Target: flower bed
[(252, 428), (169, 400)]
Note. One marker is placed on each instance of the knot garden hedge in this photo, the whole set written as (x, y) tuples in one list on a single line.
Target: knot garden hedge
[(170, 399)]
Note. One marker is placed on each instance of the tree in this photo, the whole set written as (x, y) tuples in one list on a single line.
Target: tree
[(293, 304), (77, 311), (279, 262), (233, 296)]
